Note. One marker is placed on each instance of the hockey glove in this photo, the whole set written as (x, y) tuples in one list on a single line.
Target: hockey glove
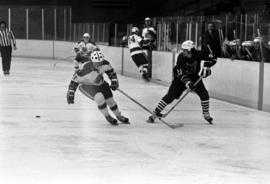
[(190, 86), (114, 85), (177, 72), (205, 72), (70, 97)]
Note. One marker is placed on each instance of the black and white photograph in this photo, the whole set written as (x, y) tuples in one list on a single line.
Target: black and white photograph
[(135, 92)]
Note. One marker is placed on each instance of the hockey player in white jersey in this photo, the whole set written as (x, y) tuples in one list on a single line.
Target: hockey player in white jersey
[(83, 50), (149, 35), (91, 83), (136, 52)]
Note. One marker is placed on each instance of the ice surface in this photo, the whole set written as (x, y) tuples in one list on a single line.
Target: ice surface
[(74, 144)]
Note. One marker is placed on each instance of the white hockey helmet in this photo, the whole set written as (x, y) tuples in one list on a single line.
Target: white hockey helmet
[(247, 43), (97, 56), (135, 30), (232, 43), (86, 35), (257, 39), (188, 45), (147, 19)]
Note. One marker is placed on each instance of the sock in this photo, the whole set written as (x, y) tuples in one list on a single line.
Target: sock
[(103, 109), (115, 110), (161, 105), (205, 108)]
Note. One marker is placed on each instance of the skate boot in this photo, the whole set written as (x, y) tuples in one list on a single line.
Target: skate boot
[(152, 118), (145, 76), (123, 119), (209, 119), (111, 120)]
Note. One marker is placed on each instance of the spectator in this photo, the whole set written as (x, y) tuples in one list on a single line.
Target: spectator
[(149, 35), (258, 42), (7, 40), (211, 39), (247, 50)]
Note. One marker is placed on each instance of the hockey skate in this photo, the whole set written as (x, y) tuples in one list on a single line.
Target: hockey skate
[(145, 76), (123, 119), (111, 120), (155, 115), (209, 119)]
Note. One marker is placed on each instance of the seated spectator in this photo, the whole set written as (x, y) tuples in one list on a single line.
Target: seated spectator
[(234, 49), (247, 50), (258, 42)]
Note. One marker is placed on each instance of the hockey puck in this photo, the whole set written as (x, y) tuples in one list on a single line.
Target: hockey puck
[(37, 116)]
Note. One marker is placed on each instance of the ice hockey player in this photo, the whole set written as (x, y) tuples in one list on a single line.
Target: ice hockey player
[(191, 64), (136, 52), (91, 83), (83, 50), (149, 35)]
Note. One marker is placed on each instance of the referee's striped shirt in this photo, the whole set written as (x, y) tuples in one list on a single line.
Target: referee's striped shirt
[(7, 38)]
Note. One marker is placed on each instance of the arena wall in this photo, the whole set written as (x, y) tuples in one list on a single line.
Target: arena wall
[(233, 81)]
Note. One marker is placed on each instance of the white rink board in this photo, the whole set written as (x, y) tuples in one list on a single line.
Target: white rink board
[(71, 144), (235, 81), (162, 64), (266, 92)]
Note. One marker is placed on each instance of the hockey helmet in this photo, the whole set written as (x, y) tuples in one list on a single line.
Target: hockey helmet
[(257, 39), (147, 19), (97, 57), (247, 44), (188, 45), (135, 30), (232, 43), (86, 35)]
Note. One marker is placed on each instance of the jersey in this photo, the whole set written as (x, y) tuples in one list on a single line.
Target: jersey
[(149, 33), (81, 45), (92, 73), (134, 44), (186, 68), (83, 51)]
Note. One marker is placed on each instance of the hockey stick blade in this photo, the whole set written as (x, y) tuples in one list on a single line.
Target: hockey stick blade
[(146, 109)]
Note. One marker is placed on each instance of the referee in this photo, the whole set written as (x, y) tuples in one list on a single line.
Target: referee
[(6, 39)]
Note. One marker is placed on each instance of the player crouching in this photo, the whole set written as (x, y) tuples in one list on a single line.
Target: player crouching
[(189, 68), (136, 52), (91, 83)]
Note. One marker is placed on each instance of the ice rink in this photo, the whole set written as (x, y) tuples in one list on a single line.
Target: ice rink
[(74, 144)]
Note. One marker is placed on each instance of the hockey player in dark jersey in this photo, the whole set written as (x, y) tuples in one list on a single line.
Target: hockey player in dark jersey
[(83, 50), (91, 83), (191, 64)]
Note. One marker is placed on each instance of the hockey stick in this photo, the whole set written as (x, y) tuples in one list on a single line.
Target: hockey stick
[(186, 93), (211, 52), (135, 101), (249, 54)]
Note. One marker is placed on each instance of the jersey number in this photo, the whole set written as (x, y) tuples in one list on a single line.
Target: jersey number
[(131, 39)]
